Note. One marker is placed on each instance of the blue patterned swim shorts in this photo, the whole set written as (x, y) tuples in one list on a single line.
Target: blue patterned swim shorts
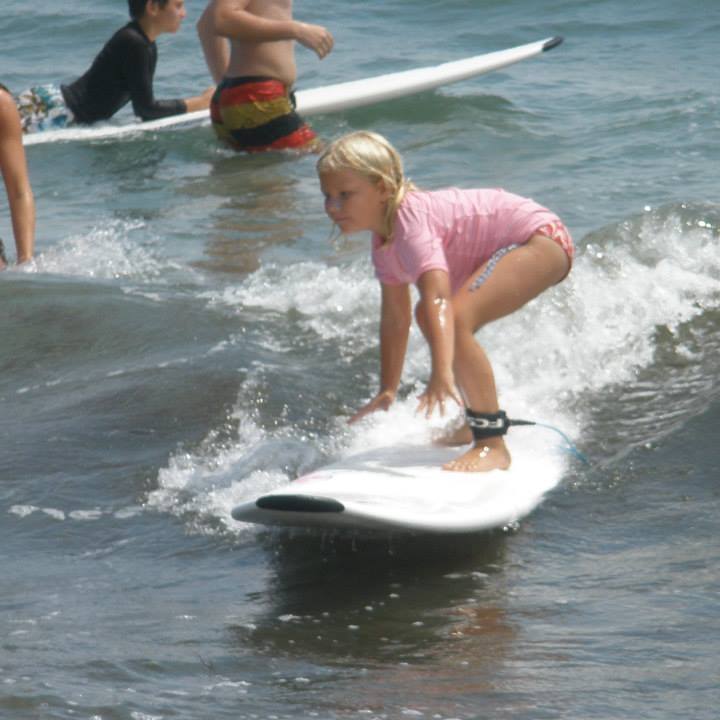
[(43, 108)]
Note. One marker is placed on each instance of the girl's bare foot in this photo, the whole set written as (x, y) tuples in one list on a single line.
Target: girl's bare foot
[(486, 455)]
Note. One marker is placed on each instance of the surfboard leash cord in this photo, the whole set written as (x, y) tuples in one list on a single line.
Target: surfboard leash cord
[(570, 446)]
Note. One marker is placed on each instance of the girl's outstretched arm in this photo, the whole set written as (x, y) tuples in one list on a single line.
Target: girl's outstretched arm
[(437, 321), (395, 319)]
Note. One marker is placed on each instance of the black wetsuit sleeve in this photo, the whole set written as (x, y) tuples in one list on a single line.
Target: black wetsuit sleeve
[(140, 63)]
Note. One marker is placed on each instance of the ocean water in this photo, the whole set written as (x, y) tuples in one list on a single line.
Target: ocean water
[(189, 336)]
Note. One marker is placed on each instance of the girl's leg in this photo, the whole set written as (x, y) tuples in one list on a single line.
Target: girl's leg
[(516, 279)]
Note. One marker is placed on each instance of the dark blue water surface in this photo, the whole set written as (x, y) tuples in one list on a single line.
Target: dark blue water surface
[(190, 336)]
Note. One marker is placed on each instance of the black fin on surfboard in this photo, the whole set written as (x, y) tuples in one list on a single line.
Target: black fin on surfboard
[(552, 42), (299, 503)]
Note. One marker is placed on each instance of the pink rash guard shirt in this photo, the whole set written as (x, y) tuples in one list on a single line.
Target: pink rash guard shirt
[(454, 230)]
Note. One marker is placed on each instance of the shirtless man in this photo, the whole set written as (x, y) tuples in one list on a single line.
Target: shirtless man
[(249, 50)]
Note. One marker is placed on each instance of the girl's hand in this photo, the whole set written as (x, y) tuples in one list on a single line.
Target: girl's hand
[(382, 401), (437, 391)]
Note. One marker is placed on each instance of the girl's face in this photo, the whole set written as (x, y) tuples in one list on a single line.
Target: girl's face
[(353, 202)]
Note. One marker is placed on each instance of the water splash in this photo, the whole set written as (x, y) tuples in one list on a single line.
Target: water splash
[(555, 361)]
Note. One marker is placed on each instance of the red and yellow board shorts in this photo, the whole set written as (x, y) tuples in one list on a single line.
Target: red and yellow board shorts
[(258, 113)]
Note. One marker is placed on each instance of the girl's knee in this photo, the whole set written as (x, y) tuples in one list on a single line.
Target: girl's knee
[(467, 319)]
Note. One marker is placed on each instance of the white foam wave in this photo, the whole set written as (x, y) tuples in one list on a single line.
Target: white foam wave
[(206, 484), (334, 302), (108, 251), (23, 511), (595, 330), (656, 273)]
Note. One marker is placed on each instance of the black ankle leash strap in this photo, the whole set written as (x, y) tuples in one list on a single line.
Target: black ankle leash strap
[(485, 425)]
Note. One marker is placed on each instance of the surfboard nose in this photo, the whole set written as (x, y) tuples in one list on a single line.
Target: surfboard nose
[(553, 42)]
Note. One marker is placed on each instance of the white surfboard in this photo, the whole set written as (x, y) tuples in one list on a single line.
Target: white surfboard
[(327, 99), (405, 489)]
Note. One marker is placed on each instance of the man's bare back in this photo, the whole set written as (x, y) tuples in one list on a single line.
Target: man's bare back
[(261, 35)]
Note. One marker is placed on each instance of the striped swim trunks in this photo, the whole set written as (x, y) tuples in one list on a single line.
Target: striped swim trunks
[(254, 114)]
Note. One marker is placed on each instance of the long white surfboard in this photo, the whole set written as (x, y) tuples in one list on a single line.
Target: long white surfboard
[(327, 99), (405, 489)]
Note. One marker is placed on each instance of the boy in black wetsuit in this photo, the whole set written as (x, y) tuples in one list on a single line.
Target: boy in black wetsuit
[(122, 72)]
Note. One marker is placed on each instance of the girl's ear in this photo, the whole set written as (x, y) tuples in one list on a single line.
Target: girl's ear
[(385, 192)]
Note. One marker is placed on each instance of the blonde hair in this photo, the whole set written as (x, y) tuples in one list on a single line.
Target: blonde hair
[(371, 155)]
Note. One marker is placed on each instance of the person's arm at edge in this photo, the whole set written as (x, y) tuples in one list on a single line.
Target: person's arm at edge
[(17, 182), (395, 320)]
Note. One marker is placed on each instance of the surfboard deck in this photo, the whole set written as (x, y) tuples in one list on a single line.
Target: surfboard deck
[(405, 489), (326, 99)]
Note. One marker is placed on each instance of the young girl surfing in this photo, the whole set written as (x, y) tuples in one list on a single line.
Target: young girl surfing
[(474, 255)]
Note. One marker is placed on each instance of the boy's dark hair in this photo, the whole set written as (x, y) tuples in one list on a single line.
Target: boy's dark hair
[(137, 7)]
